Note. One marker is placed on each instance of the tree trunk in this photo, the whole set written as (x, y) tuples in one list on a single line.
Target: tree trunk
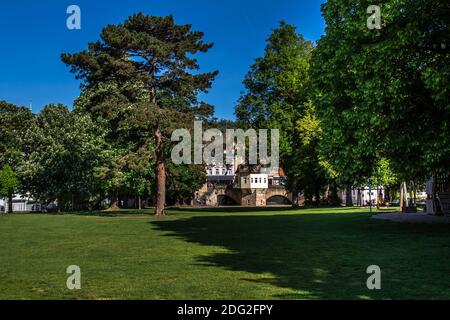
[(10, 203), (160, 172), (140, 203), (403, 197), (114, 201), (387, 198), (377, 203), (348, 196), (295, 193), (334, 194), (317, 197), (59, 201), (160, 165)]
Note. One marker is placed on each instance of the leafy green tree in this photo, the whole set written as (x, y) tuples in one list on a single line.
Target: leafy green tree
[(63, 151), (8, 185), (156, 54), (384, 176), (14, 123), (183, 181), (120, 108), (278, 96), (384, 93)]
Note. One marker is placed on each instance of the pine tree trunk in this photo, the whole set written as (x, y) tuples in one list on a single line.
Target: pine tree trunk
[(160, 165), (160, 172), (10, 203), (161, 187), (295, 193)]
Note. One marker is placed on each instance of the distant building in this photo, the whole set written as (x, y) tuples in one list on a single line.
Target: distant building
[(363, 195), (20, 203), (253, 181), (236, 183)]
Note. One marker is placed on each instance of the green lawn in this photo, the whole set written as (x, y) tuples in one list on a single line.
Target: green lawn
[(214, 254)]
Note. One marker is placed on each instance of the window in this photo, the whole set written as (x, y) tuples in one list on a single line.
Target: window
[(265, 180), (259, 180), (245, 180), (252, 180), (217, 171)]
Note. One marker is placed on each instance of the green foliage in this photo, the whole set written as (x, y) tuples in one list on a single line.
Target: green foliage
[(183, 181), (278, 96), (384, 93), (149, 60), (8, 181), (14, 123), (64, 149), (383, 174)]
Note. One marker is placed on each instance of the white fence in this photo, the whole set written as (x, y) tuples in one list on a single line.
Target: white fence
[(20, 206)]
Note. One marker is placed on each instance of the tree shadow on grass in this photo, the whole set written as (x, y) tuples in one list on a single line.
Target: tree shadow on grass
[(112, 213), (323, 256), (229, 209), (240, 210)]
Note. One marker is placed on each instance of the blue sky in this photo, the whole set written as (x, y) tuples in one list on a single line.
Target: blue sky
[(33, 34)]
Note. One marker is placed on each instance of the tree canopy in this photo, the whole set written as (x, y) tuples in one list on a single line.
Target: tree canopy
[(384, 93)]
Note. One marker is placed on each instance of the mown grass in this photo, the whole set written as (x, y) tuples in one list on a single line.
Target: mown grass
[(227, 253)]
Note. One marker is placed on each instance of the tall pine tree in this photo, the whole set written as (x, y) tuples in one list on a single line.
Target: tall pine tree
[(157, 54)]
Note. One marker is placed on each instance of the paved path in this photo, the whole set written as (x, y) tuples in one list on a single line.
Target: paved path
[(412, 217)]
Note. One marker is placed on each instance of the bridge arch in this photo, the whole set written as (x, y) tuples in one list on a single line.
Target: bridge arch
[(278, 200), (224, 200)]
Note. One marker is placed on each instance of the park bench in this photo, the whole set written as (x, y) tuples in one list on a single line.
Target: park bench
[(444, 201)]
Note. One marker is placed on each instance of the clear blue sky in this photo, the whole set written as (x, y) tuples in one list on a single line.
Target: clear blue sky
[(33, 34)]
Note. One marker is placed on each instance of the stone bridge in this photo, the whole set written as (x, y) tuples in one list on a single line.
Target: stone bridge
[(228, 195)]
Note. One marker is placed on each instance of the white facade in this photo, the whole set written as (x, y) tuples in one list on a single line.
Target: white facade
[(20, 204), (228, 168), (254, 181), (367, 195), (227, 172), (220, 170)]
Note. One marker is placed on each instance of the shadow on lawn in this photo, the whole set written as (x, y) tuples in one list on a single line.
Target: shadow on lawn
[(319, 256), (245, 209)]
